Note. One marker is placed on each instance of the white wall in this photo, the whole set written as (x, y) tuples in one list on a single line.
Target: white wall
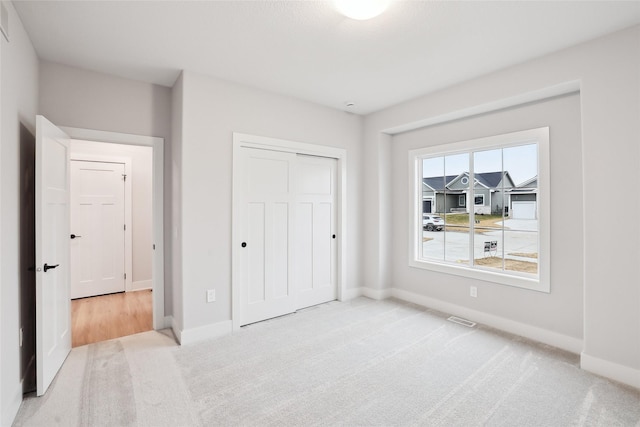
[(141, 207), (19, 88), (86, 99), (212, 111), (608, 70)]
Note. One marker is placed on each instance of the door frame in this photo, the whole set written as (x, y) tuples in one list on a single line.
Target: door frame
[(241, 140), (128, 238), (157, 145)]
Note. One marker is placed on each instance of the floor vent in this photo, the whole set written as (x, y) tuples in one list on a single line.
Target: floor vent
[(463, 322)]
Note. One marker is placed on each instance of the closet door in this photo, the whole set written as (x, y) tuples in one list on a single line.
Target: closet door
[(315, 254), (266, 217), (288, 255)]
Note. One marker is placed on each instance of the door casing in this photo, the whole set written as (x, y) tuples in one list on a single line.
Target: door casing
[(265, 143), (157, 145)]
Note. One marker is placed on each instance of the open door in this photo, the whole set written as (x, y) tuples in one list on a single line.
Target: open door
[(53, 306)]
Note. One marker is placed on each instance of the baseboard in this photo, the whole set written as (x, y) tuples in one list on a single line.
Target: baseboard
[(214, 330), (564, 342), (14, 401), (377, 294), (614, 371), (141, 285), (351, 293)]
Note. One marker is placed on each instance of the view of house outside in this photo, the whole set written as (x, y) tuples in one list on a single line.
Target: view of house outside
[(503, 230)]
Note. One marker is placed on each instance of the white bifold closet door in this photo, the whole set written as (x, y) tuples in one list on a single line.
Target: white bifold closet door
[(288, 214)]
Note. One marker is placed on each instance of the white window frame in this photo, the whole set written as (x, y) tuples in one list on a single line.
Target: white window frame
[(541, 137), (463, 198)]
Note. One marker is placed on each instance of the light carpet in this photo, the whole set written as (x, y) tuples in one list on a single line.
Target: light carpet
[(361, 362)]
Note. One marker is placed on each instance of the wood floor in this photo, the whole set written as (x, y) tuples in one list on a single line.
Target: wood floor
[(110, 316)]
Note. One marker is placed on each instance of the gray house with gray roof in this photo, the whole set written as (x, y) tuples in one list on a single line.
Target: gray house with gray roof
[(447, 194)]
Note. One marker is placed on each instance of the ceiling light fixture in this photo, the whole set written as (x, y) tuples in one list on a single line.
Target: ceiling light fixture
[(361, 9)]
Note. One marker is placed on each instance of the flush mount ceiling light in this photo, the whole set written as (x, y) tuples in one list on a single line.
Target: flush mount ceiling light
[(361, 9)]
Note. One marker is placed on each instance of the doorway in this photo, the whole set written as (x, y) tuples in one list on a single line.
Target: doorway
[(125, 142), (111, 240)]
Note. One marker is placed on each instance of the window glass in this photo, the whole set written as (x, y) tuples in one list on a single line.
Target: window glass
[(499, 232)]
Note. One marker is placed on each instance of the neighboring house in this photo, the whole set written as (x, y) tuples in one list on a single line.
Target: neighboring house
[(446, 194), (523, 200)]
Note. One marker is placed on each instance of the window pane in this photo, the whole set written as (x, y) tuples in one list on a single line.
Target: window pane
[(433, 187), (521, 251), (489, 195), (522, 164), (456, 208)]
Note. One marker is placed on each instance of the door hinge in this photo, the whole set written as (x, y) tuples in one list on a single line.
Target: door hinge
[(124, 176), (125, 276), (125, 227)]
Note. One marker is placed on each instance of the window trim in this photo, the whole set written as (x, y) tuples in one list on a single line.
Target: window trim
[(462, 200), (512, 139), (475, 196)]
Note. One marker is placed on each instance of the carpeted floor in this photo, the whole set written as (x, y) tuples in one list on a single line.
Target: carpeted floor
[(362, 362)]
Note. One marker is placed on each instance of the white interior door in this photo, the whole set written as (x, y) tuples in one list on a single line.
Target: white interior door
[(315, 240), (266, 289), (97, 227), (288, 215), (53, 311)]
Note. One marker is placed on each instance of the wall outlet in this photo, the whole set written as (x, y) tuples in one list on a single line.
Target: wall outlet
[(211, 295), (473, 291)]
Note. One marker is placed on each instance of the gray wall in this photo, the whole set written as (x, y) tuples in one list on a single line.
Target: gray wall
[(86, 99), (607, 70), (212, 111), (543, 310), (19, 103)]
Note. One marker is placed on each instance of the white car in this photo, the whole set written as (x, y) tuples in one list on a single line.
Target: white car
[(432, 222)]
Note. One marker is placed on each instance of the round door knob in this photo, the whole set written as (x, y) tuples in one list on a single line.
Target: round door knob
[(244, 244)]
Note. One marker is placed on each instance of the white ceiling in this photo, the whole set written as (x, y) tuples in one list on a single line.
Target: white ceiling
[(307, 50)]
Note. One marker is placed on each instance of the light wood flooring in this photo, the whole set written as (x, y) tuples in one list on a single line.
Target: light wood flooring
[(110, 316)]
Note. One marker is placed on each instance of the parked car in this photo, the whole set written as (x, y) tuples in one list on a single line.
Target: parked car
[(432, 222)]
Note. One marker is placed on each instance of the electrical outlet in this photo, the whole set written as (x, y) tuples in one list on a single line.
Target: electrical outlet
[(211, 295), (473, 291)]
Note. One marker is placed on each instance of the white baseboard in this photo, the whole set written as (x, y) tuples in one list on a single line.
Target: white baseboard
[(377, 294), (214, 330), (565, 342), (351, 293), (10, 411), (614, 371), (141, 285)]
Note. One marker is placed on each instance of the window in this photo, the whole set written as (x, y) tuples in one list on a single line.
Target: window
[(504, 236)]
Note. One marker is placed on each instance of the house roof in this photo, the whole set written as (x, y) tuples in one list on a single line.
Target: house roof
[(531, 182), (437, 182), (488, 179)]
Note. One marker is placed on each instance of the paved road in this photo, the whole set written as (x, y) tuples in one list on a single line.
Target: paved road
[(524, 240)]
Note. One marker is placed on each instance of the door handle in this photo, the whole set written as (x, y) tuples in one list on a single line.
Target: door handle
[(49, 267), (73, 236)]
